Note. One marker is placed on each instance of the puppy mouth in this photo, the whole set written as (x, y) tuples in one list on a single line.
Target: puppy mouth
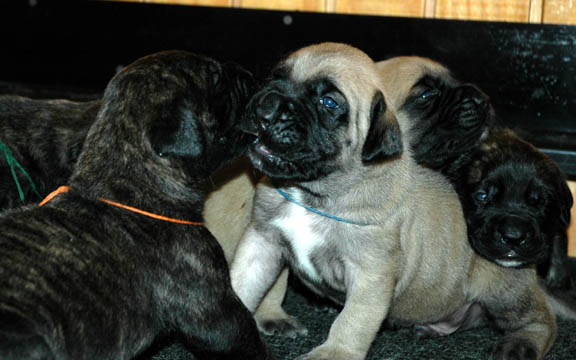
[(262, 149), (263, 155), (510, 259)]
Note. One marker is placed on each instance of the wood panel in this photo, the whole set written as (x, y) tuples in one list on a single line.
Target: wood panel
[(220, 3), (533, 11), (572, 228), (413, 8), (301, 5), (493, 10), (559, 12)]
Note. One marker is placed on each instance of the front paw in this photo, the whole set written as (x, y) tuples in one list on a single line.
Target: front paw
[(331, 353), (559, 278), (515, 349), (288, 326)]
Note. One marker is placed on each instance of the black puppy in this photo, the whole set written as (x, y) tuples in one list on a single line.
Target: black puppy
[(517, 206), (40, 141), (101, 270)]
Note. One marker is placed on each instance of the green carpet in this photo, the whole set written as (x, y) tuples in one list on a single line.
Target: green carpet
[(389, 345)]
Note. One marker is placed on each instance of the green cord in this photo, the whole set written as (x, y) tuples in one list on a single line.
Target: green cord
[(11, 161)]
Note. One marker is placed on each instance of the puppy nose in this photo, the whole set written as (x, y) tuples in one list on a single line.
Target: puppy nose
[(512, 235), (274, 107), (513, 232), (476, 95)]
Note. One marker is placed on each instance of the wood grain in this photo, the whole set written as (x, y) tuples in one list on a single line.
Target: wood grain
[(492, 10), (559, 12), (219, 3), (532, 11), (413, 8), (301, 5)]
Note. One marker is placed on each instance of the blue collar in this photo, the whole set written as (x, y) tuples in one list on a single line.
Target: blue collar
[(318, 211)]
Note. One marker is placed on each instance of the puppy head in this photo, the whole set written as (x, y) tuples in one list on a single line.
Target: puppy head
[(202, 121), (320, 110), (443, 118), (516, 203), (170, 115)]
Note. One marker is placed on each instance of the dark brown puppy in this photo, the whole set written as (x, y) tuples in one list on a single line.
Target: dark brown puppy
[(40, 141), (45, 138), (83, 279), (517, 205)]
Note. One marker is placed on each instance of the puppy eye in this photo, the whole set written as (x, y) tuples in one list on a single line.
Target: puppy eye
[(533, 198), (481, 195), (329, 102), (429, 94)]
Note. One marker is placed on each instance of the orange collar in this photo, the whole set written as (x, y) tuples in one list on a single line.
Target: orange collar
[(65, 189)]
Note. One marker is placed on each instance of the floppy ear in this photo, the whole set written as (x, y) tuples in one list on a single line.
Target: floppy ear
[(175, 131), (384, 138), (558, 275), (564, 202)]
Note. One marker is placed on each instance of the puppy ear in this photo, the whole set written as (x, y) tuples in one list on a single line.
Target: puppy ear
[(176, 132), (564, 201), (384, 138)]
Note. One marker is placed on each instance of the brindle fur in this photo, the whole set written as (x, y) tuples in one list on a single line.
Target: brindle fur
[(412, 264), (82, 279), (45, 137)]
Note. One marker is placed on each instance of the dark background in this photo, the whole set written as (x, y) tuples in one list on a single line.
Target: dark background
[(71, 49)]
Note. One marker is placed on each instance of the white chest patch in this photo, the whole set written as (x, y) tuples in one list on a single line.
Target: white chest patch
[(296, 228)]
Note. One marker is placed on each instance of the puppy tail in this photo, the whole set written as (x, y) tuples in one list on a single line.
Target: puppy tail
[(562, 303)]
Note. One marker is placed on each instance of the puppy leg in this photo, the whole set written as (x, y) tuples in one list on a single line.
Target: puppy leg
[(18, 340), (270, 316), (226, 330), (257, 263), (352, 333), (529, 326)]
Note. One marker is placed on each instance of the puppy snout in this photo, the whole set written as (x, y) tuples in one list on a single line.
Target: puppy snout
[(514, 231), (277, 126), (274, 107), (474, 106)]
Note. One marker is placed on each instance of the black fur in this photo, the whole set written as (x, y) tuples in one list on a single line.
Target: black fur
[(452, 119), (81, 279), (289, 117), (45, 137), (382, 142), (452, 123), (517, 205)]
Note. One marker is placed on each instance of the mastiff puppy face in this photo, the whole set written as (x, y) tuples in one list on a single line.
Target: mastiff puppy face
[(517, 205), (444, 118), (119, 259), (307, 116)]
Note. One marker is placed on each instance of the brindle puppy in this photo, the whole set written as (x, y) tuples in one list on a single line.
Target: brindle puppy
[(45, 138), (83, 278)]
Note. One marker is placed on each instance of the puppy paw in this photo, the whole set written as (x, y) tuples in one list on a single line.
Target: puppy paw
[(287, 326), (515, 349), (330, 353)]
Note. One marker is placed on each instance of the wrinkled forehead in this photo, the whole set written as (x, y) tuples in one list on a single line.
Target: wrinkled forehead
[(401, 74), (349, 69)]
